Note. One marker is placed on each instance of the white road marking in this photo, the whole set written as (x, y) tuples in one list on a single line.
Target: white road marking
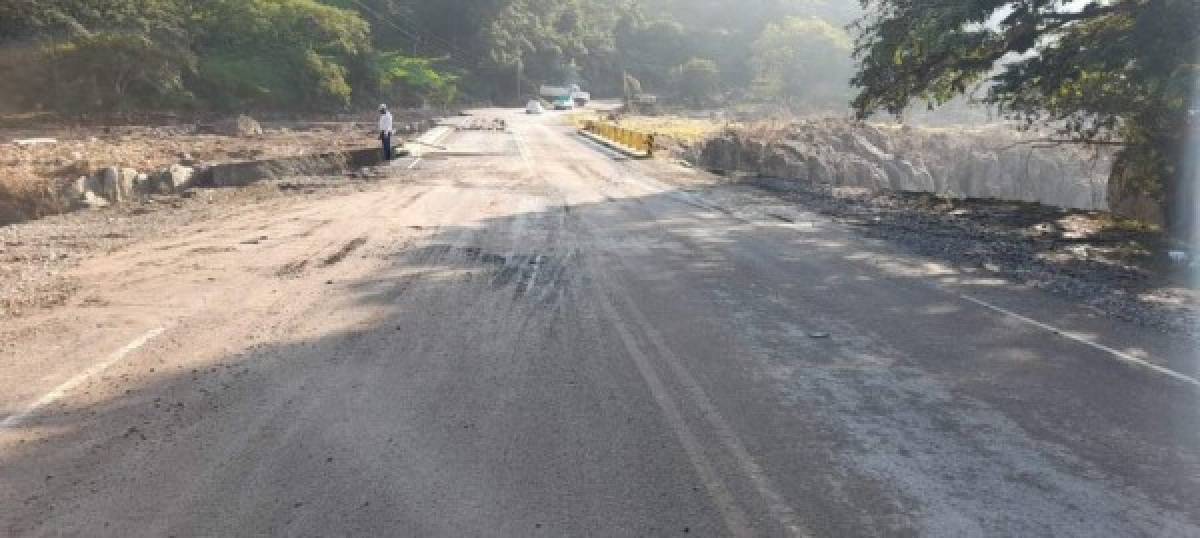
[(776, 505), (413, 164), (734, 517), (1118, 354), (523, 151), (1115, 353), (61, 390)]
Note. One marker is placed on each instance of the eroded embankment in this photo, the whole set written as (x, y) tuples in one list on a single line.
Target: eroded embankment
[(52, 170), (993, 162)]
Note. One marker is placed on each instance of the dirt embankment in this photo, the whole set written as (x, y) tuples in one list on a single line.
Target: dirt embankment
[(37, 176), (993, 162), (41, 239)]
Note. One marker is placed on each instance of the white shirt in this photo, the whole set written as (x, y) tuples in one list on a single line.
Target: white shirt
[(385, 123)]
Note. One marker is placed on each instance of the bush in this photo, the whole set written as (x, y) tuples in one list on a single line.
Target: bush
[(697, 81), (278, 54), (113, 72), (803, 61)]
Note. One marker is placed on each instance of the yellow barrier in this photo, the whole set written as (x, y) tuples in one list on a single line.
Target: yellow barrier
[(629, 138)]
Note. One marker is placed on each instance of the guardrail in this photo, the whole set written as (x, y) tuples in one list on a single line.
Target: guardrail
[(630, 139)]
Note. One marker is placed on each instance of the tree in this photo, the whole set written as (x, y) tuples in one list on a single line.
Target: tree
[(116, 72), (697, 80), (803, 61), (650, 49), (278, 53), (1118, 72), (414, 81)]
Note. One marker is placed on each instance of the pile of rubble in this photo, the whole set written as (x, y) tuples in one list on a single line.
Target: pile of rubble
[(113, 185), (483, 124), (55, 168)]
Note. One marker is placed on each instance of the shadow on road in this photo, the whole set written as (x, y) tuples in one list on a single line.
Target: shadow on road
[(474, 386)]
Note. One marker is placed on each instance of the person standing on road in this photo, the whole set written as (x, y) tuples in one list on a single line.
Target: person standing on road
[(385, 131)]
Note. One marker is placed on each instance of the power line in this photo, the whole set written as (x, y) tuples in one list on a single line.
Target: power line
[(411, 34)]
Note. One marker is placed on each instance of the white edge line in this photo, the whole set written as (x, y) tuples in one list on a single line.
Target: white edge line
[(1118, 354), (61, 390)]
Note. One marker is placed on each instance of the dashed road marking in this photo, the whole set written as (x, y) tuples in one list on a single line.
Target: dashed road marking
[(61, 390)]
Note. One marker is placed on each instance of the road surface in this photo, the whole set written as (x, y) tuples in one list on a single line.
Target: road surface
[(526, 335)]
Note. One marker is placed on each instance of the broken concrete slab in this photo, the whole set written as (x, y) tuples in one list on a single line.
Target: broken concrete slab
[(31, 142), (250, 172)]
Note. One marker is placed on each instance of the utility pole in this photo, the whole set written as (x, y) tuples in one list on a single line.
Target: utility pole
[(625, 87), (520, 66)]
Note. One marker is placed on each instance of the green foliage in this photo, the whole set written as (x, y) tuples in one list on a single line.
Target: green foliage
[(697, 81), (1119, 70), (803, 61), (412, 81), (332, 54), (37, 19), (721, 30), (115, 72), (288, 53), (650, 49), (107, 56), (552, 41)]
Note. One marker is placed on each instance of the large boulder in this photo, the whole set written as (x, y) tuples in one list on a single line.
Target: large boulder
[(75, 190), (172, 180), (127, 183), (92, 201), (108, 184), (181, 176)]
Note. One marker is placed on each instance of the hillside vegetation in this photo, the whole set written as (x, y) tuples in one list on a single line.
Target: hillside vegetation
[(125, 56)]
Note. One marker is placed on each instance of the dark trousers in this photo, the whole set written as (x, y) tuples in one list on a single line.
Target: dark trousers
[(386, 138)]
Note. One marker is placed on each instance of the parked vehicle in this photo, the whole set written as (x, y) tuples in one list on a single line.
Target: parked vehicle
[(581, 98), (645, 99), (554, 92), (534, 107), (563, 103)]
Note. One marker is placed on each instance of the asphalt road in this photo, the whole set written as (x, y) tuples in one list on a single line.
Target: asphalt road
[(526, 335)]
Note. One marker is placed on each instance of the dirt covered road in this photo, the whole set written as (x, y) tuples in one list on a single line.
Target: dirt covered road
[(525, 334)]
